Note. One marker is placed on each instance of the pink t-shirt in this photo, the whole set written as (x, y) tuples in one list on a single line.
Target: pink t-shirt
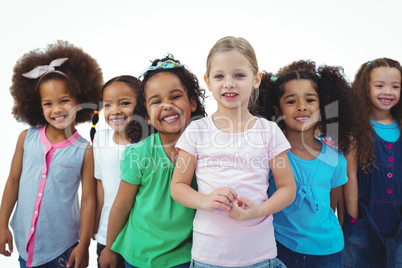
[(239, 161)]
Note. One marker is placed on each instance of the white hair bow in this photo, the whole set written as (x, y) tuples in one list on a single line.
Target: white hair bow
[(40, 71)]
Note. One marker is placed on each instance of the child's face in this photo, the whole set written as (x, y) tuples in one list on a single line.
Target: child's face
[(168, 105), (231, 80), (385, 89), (119, 101), (59, 107), (299, 106)]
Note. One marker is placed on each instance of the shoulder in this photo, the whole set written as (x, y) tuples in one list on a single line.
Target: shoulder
[(102, 137), (330, 153), (144, 146)]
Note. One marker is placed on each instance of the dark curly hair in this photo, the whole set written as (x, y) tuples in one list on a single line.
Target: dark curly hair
[(131, 81), (137, 130), (361, 85), (83, 76), (335, 97)]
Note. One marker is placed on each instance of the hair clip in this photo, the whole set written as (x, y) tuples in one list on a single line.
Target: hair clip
[(274, 78), (167, 64), (370, 62), (318, 75), (40, 71)]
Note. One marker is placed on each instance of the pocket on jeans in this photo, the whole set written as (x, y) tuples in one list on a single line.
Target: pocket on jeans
[(355, 231)]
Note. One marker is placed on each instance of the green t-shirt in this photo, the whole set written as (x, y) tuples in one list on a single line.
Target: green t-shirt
[(158, 232)]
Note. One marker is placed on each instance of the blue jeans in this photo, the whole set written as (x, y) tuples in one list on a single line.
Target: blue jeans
[(273, 263), (59, 262), (296, 260), (184, 265)]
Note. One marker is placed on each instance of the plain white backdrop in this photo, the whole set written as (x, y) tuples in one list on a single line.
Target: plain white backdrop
[(124, 36)]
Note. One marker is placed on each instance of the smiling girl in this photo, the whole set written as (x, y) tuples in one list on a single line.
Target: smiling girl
[(146, 226), (118, 102), (231, 152), (52, 90), (373, 195), (306, 101)]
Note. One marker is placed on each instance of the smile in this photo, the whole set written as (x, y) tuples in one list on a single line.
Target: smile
[(230, 95), (386, 101), (117, 120), (170, 118), (59, 118), (302, 118)]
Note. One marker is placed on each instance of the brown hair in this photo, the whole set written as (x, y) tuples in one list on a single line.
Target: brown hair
[(83, 76)]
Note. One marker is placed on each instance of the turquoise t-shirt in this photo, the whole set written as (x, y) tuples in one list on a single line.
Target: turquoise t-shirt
[(389, 133), (309, 225), (158, 232)]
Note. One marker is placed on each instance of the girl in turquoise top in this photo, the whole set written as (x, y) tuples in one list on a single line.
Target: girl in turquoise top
[(146, 226), (309, 101)]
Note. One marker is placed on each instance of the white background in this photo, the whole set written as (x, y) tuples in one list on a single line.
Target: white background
[(125, 35)]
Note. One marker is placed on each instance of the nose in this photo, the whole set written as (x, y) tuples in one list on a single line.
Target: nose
[(167, 105), (228, 82), (387, 89), (301, 107)]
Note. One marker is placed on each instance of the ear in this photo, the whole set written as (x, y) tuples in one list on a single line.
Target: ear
[(278, 111), (148, 119), (193, 105), (257, 79), (206, 81)]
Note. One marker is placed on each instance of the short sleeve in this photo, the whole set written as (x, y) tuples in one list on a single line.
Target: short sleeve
[(277, 142), (188, 139), (97, 158), (340, 176), (132, 165)]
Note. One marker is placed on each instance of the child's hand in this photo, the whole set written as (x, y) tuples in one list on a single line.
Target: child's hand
[(244, 209), (220, 198), (6, 238), (108, 258), (80, 256)]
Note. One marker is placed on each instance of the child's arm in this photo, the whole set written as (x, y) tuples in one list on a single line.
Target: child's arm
[(283, 197), (99, 206), (351, 189), (182, 192), (80, 254), (119, 213), (335, 194), (10, 196)]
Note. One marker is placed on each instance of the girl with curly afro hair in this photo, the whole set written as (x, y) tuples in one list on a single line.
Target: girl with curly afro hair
[(373, 194), (53, 90), (309, 101)]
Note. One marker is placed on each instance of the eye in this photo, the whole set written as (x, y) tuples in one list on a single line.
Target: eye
[(46, 104), (125, 103), (310, 100), (107, 105), (155, 103), (240, 75), (176, 97), (291, 102), (65, 100), (378, 85), (218, 76)]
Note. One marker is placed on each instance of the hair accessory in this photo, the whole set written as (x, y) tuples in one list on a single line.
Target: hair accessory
[(96, 112), (370, 62), (40, 71), (318, 75), (167, 64), (274, 78)]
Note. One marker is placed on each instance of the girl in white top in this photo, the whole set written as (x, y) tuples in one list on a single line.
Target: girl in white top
[(231, 153), (119, 99)]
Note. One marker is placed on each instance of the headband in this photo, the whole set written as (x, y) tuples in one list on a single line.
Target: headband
[(167, 64), (41, 71)]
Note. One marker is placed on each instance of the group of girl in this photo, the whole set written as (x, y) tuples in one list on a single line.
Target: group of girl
[(255, 184)]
